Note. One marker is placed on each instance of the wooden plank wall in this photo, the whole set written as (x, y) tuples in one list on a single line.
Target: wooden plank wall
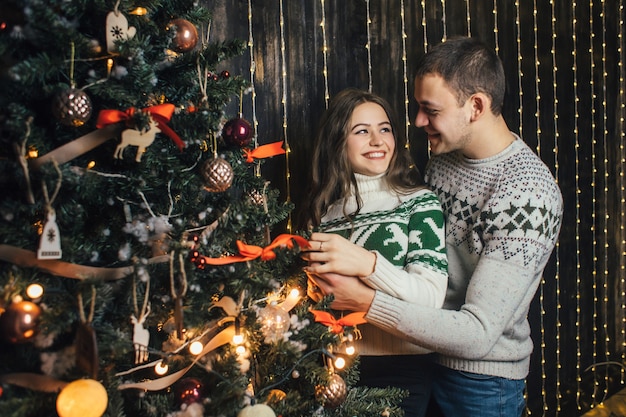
[(565, 95)]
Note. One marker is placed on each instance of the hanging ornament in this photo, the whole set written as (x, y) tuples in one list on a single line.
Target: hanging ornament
[(72, 107), (237, 132), (257, 410), (188, 391), (276, 396), (50, 242), (139, 138), (275, 321), (141, 335), (86, 344), (82, 398), (18, 323), (186, 36), (217, 174), (117, 29), (333, 394)]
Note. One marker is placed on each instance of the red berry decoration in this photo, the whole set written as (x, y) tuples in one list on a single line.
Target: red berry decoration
[(18, 324), (186, 36), (237, 132), (188, 391)]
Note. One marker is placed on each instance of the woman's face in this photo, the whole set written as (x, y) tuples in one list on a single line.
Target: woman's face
[(370, 142)]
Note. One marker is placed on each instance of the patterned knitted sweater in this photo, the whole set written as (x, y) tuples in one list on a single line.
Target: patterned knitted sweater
[(407, 234), (503, 218)]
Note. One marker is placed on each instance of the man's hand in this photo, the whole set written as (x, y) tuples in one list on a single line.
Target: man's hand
[(349, 291)]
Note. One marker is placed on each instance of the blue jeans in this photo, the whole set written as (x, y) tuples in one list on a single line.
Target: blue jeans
[(464, 394)]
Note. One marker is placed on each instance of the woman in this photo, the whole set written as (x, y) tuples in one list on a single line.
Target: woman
[(375, 220)]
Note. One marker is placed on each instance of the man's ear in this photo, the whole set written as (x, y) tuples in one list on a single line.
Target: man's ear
[(480, 104)]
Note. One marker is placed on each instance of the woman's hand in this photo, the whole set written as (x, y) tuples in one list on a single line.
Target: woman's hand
[(331, 253), (350, 292)]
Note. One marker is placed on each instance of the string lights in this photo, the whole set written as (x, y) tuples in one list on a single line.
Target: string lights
[(605, 208), (555, 109), (518, 30), (255, 121), (284, 104), (622, 125), (368, 46), (594, 201), (495, 27), (577, 202), (324, 53), (542, 285), (405, 79), (467, 13)]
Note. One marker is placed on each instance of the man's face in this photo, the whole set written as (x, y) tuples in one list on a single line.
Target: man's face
[(445, 122)]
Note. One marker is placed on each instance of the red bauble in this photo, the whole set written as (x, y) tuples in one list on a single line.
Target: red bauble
[(186, 36), (188, 391), (18, 324), (237, 132)]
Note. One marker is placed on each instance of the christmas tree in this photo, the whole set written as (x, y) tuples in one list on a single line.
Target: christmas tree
[(142, 269)]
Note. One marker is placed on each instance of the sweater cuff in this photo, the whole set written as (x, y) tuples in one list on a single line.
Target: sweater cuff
[(384, 311), (385, 273)]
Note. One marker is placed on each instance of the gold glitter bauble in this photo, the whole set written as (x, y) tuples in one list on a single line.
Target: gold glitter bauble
[(218, 175), (333, 394)]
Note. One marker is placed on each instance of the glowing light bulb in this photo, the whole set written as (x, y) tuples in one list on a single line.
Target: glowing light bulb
[(161, 368), (34, 291), (195, 348), (340, 362), (350, 350)]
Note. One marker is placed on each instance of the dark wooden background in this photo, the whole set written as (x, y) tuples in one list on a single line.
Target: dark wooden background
[(565, 95)]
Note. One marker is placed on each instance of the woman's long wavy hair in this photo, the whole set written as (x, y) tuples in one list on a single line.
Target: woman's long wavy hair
[(332, 177)]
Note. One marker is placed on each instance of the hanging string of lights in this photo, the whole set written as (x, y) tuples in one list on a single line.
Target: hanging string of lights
[(368, 46), (284, 105), (557, 275)]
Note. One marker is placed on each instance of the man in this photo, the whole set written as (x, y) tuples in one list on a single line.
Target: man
[(503, 213)]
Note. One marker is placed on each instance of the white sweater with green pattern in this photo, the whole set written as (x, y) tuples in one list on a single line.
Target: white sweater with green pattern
[(407, 233)]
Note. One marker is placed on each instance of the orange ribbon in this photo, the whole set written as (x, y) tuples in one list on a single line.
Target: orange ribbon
[(336, 326), (161, 113), (250, 252), (264, 151)]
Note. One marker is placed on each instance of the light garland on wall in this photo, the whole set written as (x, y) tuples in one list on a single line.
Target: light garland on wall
[(423, 3), (284, 104), (555, 109), (255, 121), (368, 46), (324, 53), (444, 35), (520, 73), (605, 219), (495, 27), (577, 198), (542, 285), (405, 80), (622, 137), (594, 200), (467, 13)]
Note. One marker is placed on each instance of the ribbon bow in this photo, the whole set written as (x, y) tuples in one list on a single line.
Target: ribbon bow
[(250, 252), (161, 113), (264, 151), (336, 326)]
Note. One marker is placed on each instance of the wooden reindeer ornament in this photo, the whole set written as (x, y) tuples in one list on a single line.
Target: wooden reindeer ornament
[(140, 138)]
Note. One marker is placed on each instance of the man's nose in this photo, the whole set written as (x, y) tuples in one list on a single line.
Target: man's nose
[(420, 119)]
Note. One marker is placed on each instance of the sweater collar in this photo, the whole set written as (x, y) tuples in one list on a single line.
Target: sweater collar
[(371, 184)]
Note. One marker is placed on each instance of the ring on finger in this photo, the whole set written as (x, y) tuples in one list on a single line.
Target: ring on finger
[(321, 246)]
